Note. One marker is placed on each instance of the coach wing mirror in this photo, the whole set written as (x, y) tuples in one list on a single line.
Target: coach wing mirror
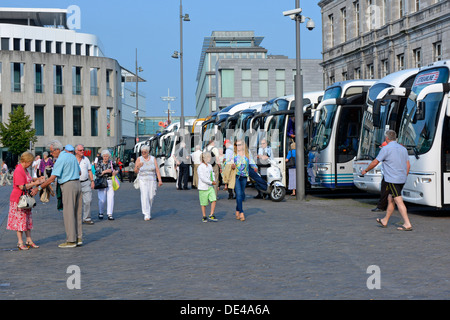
[(420, 111), (376, 113)]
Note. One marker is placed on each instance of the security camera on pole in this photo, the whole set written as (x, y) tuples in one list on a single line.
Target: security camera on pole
[(295, 14)]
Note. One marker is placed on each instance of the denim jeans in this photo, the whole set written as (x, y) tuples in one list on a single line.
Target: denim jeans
[(239, 189)]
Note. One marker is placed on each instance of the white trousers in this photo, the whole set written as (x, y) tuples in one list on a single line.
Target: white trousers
[(106, 199), (148, 191)]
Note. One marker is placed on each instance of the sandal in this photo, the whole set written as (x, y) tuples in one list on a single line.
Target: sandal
[(32, 245), (402, 228), (382, 225), (21, 246)]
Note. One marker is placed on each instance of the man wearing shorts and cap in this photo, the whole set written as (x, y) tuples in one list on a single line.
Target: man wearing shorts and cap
[(395, 162)]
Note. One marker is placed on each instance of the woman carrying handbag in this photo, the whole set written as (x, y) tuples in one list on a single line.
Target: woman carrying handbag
[(19, 219), (107, 169)]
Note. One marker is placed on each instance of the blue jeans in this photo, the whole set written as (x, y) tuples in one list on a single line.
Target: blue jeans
[(239, 189)]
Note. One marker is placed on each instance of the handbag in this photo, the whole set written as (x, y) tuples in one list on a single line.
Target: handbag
[(26, 201), (290, 163), (115, 183), (136, 183), (100, 182)]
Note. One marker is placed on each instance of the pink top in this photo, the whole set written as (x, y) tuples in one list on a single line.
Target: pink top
[(20, 177)]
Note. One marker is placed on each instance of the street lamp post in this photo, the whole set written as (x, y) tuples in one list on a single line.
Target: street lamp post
[(136, 113), (295, 14), (180, 55)]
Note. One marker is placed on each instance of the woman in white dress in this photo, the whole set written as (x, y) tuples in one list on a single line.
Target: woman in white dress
[(148, 171)]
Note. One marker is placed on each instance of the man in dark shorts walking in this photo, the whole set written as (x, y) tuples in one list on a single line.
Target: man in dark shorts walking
[(395, 162)]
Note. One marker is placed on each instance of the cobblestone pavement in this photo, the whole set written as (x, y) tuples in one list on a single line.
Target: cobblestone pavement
[(317, 249)]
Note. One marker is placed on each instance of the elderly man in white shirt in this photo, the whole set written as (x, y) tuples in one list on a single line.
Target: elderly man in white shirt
[(87, 182)]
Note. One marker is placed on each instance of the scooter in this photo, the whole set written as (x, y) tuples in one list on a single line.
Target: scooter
[(276, 189)]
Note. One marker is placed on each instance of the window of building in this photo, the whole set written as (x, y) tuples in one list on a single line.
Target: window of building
[(437, 51), (357, 73), (68, 48), (58, 47), (227, 87), (370, 71), (357, 17), (263, 80), (27, 44), (38, 45), (58, 120), (331, 28), (400, 8), (417, 57), (16, 44), (94, 121), (417, 5), (0, 77), (401, 61), (94, 81), (344, 24), (384, 67), (58, 79), (38, 78), (48, 46), (76, 80), (16, 76), (246, 83), (108, 82), (108, 122), (5, 44), (280, 82), (39, 120), (78, 49), (77, 121), (88, 49)]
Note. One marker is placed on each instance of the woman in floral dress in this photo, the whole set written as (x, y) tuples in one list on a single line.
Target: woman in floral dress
[(20, 220)]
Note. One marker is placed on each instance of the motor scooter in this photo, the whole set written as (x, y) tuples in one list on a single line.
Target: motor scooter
[(277, 189), (274, 186)]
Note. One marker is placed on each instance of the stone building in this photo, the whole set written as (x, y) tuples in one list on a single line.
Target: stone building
[(372, 38)]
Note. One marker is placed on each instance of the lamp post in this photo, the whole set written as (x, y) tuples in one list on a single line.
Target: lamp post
[(179, 54), (136, 132), (168, 99), (295, 14)]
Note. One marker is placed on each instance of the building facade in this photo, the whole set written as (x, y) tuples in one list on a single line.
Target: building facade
[(71, 91), (368, 39), (235, 68)]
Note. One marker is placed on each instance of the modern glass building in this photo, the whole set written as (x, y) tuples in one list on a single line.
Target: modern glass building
[(235, 68)]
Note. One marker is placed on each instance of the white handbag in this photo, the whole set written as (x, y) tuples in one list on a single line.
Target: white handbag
[(136, 182), (26, 201)]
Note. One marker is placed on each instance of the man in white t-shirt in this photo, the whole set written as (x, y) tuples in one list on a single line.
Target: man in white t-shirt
[(87, 182), (35, 165)]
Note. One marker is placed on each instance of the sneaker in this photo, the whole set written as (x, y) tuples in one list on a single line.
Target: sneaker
[(110, 218), (100, 216), (212, 218), (68, 245), (204, 219), (88, 222), (79, 241)]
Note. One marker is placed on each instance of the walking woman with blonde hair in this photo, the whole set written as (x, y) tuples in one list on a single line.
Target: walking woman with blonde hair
[(242, 163)]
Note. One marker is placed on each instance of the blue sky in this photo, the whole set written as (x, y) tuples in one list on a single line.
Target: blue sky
[(152, 26)]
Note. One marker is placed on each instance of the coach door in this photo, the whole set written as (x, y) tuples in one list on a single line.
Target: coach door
[(446, 161)]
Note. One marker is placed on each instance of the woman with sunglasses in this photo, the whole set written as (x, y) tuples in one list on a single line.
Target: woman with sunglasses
[(242, 164)]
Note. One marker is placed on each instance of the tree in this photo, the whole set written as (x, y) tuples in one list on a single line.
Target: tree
[(17, 135)]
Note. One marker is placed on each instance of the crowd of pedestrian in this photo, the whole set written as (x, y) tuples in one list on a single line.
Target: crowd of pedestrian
[(72, 173)]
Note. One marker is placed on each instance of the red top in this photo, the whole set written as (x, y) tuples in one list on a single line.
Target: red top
[(21, 176)]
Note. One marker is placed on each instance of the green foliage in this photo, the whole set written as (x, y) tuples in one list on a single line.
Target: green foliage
[(17, 134)]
